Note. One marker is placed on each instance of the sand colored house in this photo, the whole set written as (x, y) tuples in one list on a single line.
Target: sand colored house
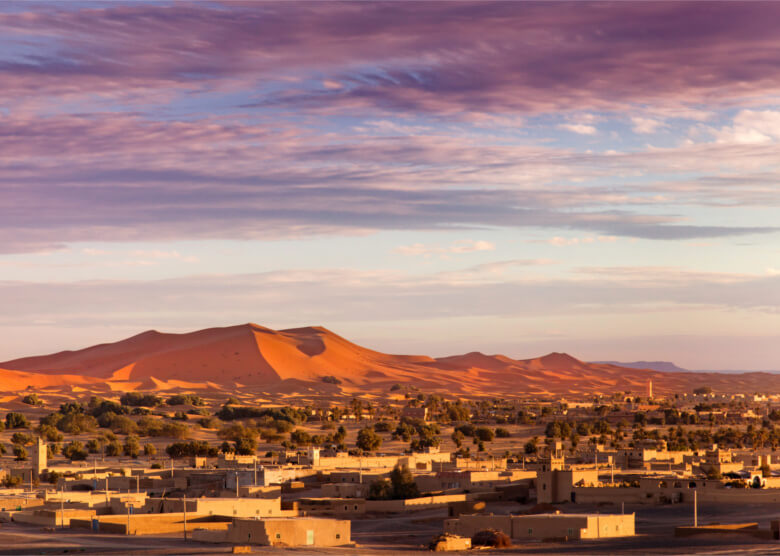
[(150, 524), (672, 489), (302, 531), (471, 479), (226, 507), (415, 413), (51, 517), (717, 460), (555, 481), (342, 460), (328, 506), (345, 490), (545, 526)]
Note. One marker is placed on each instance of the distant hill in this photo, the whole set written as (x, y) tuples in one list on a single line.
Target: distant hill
[(307, 360), (663, 366)]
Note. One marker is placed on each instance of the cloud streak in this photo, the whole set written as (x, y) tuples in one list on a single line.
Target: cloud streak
[(443, 58)]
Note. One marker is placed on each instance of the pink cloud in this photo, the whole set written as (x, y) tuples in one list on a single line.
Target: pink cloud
[(430, 57)]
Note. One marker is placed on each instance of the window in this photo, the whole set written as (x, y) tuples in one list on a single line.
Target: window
[(530, 531), (278, 536), (355, 507), (338, 535)]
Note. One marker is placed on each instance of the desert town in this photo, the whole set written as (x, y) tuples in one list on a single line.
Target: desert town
[(195, 474)]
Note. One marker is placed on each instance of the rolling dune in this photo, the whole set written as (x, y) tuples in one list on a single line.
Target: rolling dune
[(297, 360)]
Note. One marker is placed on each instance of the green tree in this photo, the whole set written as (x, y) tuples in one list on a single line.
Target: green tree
[(131, 447), (246, 445), (403, 483), (21, 439), (94, 446), (113, 448), (19, 452), (457, 438), (75, 451), (368, 440)]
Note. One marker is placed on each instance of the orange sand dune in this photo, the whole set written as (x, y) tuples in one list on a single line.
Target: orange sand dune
[(295, 361), (14, 381)]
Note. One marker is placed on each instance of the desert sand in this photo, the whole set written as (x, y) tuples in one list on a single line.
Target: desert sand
[(295, 362)]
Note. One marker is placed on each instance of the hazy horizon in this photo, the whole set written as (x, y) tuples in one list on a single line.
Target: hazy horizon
[(437, 178)]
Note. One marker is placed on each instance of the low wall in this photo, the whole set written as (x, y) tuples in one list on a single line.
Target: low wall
[(595, 495), (151, 524), (413, 504)]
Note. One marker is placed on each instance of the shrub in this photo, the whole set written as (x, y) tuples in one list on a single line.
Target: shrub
[(14, 420), (93, 446), (21, 439), (98, 406), (32, 399), (75, 451), (137, 399), (131, 447), (209, 423), (185, 399), (383, 426), (49, 433), (331, 380), (502, 433), (191, 448), (11, 481), (290, 414), (484, 434), (19, 452), (113, 448), (149, 426), (150, 450), (77, 423), (467, 429), (235, 431), (119, 424)]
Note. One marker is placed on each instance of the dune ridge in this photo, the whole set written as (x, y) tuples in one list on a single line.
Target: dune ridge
[(292, 360)]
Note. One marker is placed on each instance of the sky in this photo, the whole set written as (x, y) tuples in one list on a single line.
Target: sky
[(596, 178)]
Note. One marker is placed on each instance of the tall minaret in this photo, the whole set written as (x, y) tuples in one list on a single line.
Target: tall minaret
[(649, 390), (40, 453)]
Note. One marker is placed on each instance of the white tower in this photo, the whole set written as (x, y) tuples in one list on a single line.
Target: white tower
[(40, 457)]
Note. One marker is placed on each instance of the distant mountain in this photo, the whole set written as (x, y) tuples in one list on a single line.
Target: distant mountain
[(663, 366), (315, 361)]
